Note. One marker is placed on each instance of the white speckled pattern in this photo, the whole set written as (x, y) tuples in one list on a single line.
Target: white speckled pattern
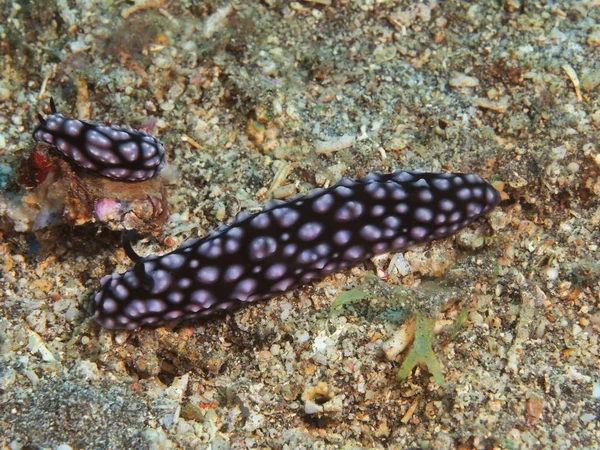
[(290, 243)]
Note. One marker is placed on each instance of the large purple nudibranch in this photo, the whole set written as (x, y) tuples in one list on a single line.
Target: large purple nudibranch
[(291, 243), (121, 154)]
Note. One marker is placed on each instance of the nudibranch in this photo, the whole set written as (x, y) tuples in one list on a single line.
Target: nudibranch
[(290, 243), (121, 154)]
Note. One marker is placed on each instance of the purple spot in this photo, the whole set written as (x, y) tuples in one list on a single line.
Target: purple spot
[(273, 204), (175, 297), (463, 194), (290, 250), (149, 320), (455, 216), (421, 182), (135, 309), (184, 283), (99, 140), (148, 150), (418, 233), (235, 232), (446, 205), (306, 257), (211, 248), (120, 291), (172, 315), (441, 231), (102, 155), (442, 184), (439, 219), (156, 306), (402, 177), (473, 179), (131, 280), (373, 176), (349, 211), (109, 306), (129, 150), (392, 222), (262, 247), (46, 137), (310, 231), (161, 281), (323, 203), (401, 208), (172, 261), (490, 196), (473, 209), (331, 267), (54, 122), (458, 181), (323, 249), (342, 237), (423, 214), (346, 182), (477, 192), (309, 276), (208, 274), (116, 173), (370, 233), (152, 162), (122, 320), (261, 221), (193, 308), (63, 146), (399, 242), (343, 191), (282, 285), (244, 289), (225, 305), (375, 190), (381, 247), (232, 245), (319, 264), (425, 195), (78, 156), (139, 175), (203, 298), (354, 253), (398, 192), (276, 271), (286, 217), (377, 210)]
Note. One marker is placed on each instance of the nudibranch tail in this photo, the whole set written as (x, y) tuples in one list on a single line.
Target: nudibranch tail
[(122, 154), (292, 243)]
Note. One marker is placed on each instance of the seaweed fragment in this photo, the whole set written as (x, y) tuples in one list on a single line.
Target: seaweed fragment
[(421, 351), (421, 304)]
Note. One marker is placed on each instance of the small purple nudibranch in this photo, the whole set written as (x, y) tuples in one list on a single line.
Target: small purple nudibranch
[(121, 154), (290, 243)]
